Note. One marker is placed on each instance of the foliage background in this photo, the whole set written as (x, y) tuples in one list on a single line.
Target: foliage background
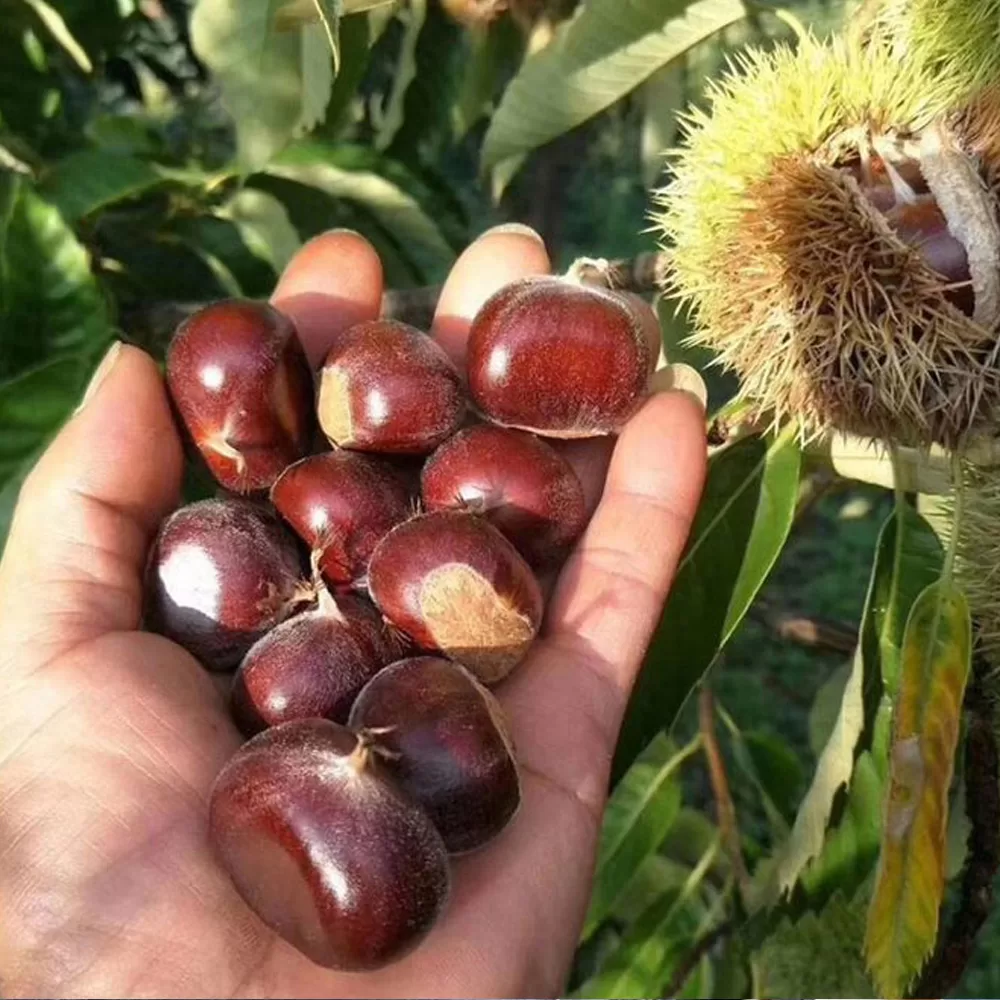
[(153, 156)]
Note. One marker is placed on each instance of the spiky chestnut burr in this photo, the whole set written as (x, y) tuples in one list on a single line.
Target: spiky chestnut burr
[(818, 221), (957, 41)]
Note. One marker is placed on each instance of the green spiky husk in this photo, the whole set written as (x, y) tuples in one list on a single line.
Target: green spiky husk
[(794, 279), (955, 39)]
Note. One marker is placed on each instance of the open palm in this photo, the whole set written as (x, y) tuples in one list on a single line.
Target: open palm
[(110, 738)]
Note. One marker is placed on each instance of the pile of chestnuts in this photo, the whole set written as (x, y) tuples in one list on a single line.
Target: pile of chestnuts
[(366, 608)]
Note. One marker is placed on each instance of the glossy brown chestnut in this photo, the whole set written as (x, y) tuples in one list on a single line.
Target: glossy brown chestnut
[(559, 358), (222, 572), (241, 383), (387, 387), (922, 225), (313, 665), (342, 504), (448, 746), (325, 849), (453, 583), (518, 482)]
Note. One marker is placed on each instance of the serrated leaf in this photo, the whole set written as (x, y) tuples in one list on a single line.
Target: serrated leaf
[(904, 912), (740, 529), (313, 163), (596, 58), (817, 955), (264, 225), (91, 179), (907, 559), (637, 818), (32, 408), (641, 962), (275, 76), (49, 300)]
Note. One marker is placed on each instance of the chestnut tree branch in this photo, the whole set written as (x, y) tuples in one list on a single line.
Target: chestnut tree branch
[(724, 808)]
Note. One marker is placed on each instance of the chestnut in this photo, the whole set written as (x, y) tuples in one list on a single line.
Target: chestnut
[(313, 665), (559, 358), (446, 743), (387, 387), (240, 381), (324, 847), (518, 482), (341, 504), (454, 584), (221, 574)]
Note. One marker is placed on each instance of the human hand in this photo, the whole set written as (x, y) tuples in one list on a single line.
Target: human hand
[(110, 738)]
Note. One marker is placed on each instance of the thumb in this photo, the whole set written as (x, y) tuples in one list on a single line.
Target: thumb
[(72, 569)]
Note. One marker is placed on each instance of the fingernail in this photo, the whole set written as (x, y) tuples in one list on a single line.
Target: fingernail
[(101, 372), (514, 229), (681, 378)]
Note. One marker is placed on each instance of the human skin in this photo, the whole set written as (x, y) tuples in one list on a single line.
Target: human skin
[(110, 737)]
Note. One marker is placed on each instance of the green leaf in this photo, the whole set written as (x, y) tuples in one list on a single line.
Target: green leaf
[(264, 226), (89, 180), (773, 767), (391, 118), (32, 408), (398, 212), (49, 300), (640, 964), (638, 816), (851, 848), (495, 50), (664, 97), (817, 955), (355, 52), (826, 707), (741, 527), (595, 59), (908, 557), (220, 244), (425, 133), (58, 29), (904, 912), (274, 67)]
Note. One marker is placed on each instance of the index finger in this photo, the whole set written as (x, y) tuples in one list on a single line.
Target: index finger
[(332, 283), (501, 255)]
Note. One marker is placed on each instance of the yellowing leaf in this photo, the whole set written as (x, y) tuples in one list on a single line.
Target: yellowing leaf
[(903, 918)]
